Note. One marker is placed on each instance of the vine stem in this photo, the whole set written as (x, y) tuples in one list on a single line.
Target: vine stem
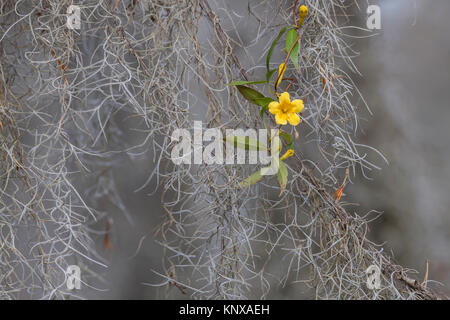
[(285, 61)]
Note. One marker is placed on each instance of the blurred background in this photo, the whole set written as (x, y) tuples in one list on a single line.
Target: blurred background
[(406, 76), (405, 80)]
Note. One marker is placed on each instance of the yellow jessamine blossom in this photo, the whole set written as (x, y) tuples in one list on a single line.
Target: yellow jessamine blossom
[(286, 110), (288, 154), (303, 12)]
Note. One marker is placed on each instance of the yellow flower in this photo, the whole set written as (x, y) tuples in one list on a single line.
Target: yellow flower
[(303, 12), (286, 110), (288, 154)]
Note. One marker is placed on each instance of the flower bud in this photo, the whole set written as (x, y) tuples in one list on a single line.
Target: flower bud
[(281, 70), (288, 154), (303, 12)]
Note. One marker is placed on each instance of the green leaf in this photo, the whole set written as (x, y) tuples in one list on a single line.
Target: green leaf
[(255, 177), (263, 109), (252, 179), (249, 93), (265, 105), (263, 102), (237, 83), (287, 137), (269, 74), (245, 143), (290, 39), (282, 176), (274, 43), (254, 96)]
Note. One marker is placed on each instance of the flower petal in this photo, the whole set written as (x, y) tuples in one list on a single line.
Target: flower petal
[(284, 98), (274, 107), (281, 118), (293, 119), (297, 105)]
